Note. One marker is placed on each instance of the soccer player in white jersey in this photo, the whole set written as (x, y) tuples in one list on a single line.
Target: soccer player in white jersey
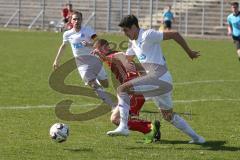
[(157, 83), (89, 66)]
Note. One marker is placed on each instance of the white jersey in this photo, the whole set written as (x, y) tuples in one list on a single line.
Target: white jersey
[(76, 38), (147, 47), (82, 53)]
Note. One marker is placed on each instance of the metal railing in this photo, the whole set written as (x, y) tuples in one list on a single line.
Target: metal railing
[(199, 17)]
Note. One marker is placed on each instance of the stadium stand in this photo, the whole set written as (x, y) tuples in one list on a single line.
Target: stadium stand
[(193, 17)]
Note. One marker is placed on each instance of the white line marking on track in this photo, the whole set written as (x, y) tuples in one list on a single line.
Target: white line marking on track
[(88, 105)]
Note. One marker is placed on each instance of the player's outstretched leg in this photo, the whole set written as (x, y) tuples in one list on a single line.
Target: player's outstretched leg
[(101, 93), (182, 125), (124, 105)]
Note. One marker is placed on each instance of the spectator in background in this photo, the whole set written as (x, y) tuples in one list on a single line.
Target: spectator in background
[(66, 14), (168, 18), (233, 21)]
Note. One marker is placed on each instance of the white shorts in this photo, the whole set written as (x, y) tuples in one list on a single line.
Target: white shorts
[(163, 101), (91, 74), (90, 68), (155, 87)]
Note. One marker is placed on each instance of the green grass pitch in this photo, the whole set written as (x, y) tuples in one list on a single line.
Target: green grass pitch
[(206, 93)]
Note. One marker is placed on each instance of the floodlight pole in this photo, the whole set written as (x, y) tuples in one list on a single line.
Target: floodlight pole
[(186, 19), (221, 18), (138, 7), (19, 12), (151, 13), (121, 11), (180, 18), (94, 10), (203, 15), (43, 13), (109, 15), (129, 7), (121, 8)]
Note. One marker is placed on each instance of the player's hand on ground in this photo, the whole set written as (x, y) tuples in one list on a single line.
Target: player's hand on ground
[(194, 54)]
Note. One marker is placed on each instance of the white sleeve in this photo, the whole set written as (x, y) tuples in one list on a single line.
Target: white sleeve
[(130, 51), (154, 36), (90, 32)]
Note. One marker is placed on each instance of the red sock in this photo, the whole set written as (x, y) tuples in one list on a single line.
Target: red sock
[(139, 125), (136, 103)]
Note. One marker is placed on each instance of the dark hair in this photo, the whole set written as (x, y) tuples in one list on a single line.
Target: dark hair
[(128, 21), (100, 43), (77, 12), (234, 4)]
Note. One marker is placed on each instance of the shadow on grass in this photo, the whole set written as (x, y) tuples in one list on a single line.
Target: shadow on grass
[(219, 146), (172, 142), (78, 149), (209, 145)]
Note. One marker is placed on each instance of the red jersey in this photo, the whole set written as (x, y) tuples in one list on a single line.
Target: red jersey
[(65, 12), (121, 72)]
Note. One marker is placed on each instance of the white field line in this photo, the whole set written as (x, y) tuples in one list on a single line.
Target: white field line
[(88, 105), (204, 81), (176, 101), (41, 106)]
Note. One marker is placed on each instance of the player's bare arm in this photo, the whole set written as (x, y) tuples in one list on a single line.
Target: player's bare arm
[(229, 30), (179, 39), (59, 55)]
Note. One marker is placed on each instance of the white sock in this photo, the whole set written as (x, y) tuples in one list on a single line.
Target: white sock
[(238, 52), (124, 105), (182, 125), (104, 96), (123, 117)]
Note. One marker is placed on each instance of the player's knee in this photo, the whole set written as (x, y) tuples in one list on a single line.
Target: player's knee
[(167, 115)]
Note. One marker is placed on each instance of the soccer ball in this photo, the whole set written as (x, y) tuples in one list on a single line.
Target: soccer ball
[(59, 132)]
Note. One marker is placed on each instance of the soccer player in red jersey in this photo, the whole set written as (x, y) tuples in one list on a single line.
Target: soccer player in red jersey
[(124, 70)]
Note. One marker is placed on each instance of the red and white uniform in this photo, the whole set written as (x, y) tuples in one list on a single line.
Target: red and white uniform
[(125, 71)]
